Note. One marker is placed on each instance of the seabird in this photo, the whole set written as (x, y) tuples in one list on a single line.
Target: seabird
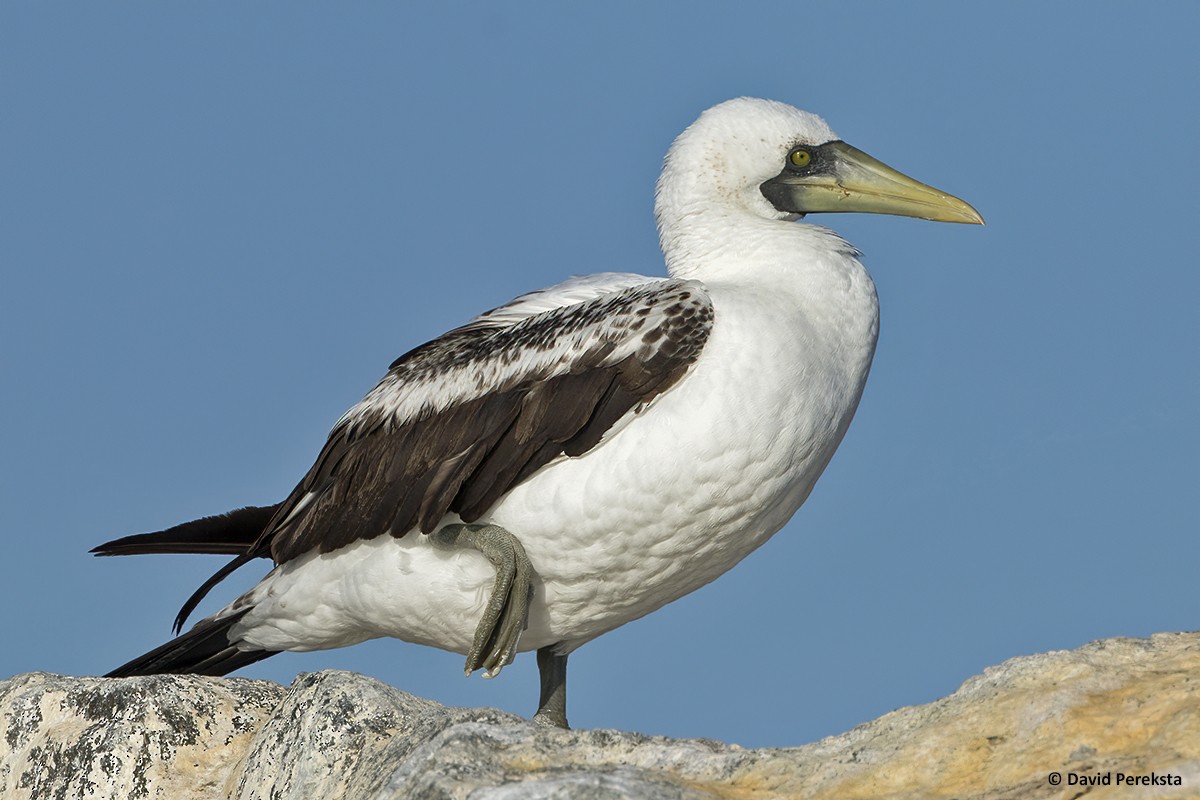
[(587, 453)]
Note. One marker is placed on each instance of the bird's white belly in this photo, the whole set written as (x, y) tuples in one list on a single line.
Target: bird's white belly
[(668, 503)]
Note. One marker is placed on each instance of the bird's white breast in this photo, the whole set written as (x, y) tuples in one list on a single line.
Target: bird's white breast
[(666, 504)]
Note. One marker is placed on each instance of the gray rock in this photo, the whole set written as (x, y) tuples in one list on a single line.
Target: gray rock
[(157, 737), (1119, 707)]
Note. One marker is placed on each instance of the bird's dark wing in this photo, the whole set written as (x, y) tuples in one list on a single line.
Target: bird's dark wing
[(459, 421)]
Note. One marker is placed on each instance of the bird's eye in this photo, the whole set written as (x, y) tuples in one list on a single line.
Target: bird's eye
[(800, 158)]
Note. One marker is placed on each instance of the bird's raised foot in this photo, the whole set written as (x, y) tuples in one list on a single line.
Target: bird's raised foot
[(507, 612)]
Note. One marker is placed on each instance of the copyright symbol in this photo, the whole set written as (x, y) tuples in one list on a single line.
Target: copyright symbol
[(1055, 778)]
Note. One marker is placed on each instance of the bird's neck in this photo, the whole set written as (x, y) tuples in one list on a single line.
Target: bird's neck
[(716, 243)]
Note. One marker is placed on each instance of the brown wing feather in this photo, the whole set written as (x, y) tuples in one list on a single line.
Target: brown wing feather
[(377, 476), (552, 412)]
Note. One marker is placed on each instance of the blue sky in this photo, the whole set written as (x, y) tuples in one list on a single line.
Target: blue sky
[(219, 223)]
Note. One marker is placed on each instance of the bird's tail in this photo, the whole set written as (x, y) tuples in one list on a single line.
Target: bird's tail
[(237, 533), (207, 649), (234, 533)]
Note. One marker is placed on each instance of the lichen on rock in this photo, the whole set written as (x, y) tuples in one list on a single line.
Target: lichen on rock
[(163, 736)]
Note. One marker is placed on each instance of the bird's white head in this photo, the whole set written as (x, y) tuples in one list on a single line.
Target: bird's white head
[(752, 159), (734, 147)]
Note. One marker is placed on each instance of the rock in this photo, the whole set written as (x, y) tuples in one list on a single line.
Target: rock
[(161, 736), (1108, 711)]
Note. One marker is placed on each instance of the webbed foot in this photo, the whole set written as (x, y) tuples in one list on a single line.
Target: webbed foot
[(507, 612)]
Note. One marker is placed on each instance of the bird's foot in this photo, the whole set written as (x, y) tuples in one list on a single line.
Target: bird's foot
[(507, 612)]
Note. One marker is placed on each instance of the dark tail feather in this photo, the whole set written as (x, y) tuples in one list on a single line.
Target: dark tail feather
[(204, 650), (190, 605), (234, 533)]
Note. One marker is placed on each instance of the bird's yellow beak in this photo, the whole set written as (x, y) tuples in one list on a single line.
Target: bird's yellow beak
[(836, 177)]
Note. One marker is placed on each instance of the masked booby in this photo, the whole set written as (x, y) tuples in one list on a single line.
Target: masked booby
[(587, 453)]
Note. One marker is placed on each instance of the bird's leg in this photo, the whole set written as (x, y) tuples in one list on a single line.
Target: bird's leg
[(552, 705), (507, 612)]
